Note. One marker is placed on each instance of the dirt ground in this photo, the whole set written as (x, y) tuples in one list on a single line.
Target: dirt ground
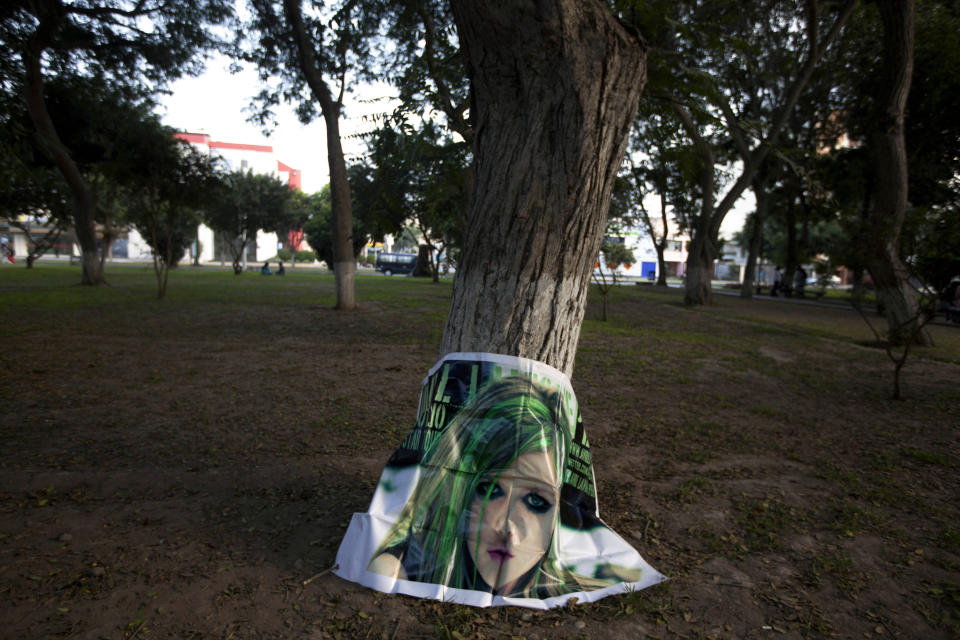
[(186, 468)]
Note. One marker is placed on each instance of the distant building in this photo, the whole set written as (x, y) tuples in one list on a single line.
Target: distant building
[(259, 159), (238, 156)]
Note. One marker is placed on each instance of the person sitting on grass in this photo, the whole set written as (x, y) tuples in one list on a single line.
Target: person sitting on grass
[(265, 269), (280, 269)]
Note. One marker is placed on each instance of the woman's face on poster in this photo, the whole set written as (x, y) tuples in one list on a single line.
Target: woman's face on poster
[(512, 518)]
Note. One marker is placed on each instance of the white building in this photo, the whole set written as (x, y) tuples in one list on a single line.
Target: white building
[(236, 157)]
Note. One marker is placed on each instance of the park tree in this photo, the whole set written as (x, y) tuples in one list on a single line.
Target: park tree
[(166, 183), (425, 63), (660, 164), (554, 88), (888, 156), (247, 203), (299, 209), (932, 245), (732, 77), (426, 66), (615, 253), (375, 217), (105, 128), (32, 192), (318, 229), (418, 175), (894, 176), (35, 199), (316, 54), (137, 45)]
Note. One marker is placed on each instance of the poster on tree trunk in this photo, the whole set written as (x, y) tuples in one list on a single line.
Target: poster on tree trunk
[(490, 498)]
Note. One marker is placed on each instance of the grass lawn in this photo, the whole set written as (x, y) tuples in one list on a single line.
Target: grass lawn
[(186, 467)]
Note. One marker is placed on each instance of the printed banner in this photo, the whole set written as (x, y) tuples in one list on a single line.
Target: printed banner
[(490, 498)]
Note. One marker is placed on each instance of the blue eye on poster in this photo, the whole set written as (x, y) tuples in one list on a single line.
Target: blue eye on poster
[(490, 498)]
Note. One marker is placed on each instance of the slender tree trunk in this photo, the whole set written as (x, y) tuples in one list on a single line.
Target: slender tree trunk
[(156, 260), (790, 265), (700, 256), (239, 255), (167, 263), (756, 235), (105, 248), (702, 250), (555, 85), (659, 240), (889, 165), (660, 244), (661, 267), (435, 263), (80, 191), (344, 262), (753, 250)]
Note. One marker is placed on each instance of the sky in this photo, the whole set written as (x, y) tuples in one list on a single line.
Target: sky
[(216, 103)]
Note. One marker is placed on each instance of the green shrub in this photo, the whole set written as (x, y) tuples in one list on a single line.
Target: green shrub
[(305, 255)]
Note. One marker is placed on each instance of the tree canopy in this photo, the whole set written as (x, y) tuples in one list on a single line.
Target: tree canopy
[(246, 203), (132, 46), (421, 176)]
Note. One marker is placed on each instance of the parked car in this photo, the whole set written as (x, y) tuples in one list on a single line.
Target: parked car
[(832, 281), (391, 263)]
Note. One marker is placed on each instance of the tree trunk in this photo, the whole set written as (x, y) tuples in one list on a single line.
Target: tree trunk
[(750, 268), (791, 262), (81, 194), (756, 235), (700, 256), (555, 86), (889, 165), (424, 266), (702, 249), (435, 264), (660, 244), (661, 266), (106, 246), (344, 262)]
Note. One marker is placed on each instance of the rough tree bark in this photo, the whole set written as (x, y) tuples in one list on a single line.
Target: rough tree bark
[(344, 262), (888, 156), (555, 85)]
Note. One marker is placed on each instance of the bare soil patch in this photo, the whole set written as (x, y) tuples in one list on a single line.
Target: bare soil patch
[(186, 468)]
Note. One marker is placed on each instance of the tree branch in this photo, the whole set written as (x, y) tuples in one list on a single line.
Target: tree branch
[(100, 13), (733, 124), (455, 114), (308, 62)]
